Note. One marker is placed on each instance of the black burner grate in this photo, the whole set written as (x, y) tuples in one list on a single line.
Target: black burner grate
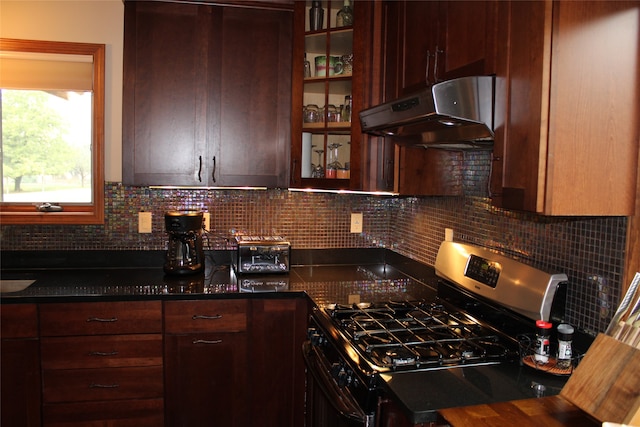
[(400, 335)]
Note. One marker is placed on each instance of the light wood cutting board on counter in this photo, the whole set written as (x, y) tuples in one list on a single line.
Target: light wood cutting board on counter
[(606, 383)]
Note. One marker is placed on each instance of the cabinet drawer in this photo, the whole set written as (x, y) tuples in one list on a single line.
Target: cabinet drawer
[(101, 318), (205, 316), (127, 413), (81, 385), (18, 321), (116, 351)]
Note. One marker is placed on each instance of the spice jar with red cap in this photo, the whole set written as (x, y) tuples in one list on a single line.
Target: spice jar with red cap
[(543, 339)]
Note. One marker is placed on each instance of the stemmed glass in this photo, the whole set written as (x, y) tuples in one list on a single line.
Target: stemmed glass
[(318, 171), (334, 164)]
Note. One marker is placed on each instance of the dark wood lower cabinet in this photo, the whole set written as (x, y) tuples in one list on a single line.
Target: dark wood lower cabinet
[(235, 362), (19, 366), (278, 329), (228, 363), (124, 413), (102, 364), (206, 382), (20, 383)]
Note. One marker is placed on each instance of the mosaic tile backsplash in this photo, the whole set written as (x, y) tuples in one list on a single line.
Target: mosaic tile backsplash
[(589, 250)]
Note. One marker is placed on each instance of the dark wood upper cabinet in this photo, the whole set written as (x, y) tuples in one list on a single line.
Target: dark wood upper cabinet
[(206, 95), (422, 43), (430, 41)]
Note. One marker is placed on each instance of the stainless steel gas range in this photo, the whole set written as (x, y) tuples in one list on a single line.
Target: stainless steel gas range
[(461, 347)]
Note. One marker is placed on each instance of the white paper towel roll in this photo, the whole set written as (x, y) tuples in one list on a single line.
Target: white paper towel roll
[(306, 154)]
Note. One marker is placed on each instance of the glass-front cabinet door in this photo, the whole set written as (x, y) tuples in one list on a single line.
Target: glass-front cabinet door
[(326, 94)]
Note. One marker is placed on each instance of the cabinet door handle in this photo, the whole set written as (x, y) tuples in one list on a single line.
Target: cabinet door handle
[(93, 385), (426, 68), (205, 317), (213, 172), (207, 341), (292, 174), (199, 168), (435, 64), (103, 353), (388, 174), (101, 319)]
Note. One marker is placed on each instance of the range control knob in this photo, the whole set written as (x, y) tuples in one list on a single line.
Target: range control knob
[(344, 378), (335, 369), (316, 337), (341, 374)]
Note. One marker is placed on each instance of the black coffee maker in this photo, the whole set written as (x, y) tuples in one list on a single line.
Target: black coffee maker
[(185, 254)]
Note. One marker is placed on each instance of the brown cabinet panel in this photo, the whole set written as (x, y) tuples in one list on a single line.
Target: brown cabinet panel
[(165, 89), (249, 120), (466, 42), (566, 147), (206, 316), (206, 380), (418, 32), (96, 353), (126, 413), (19, 366), (423, 43), (100, 318), (421, 171), (207, 95), (102, 351), (19, 382), (426, 42), (18, 321), (279, 327), (81, 385)]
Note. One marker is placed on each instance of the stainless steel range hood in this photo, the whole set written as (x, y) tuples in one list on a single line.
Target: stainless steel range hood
[(455, 114)]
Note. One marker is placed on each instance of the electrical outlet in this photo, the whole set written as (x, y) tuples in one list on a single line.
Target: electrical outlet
[(206, 217), (448, 234), (356, 223), (144, 222)]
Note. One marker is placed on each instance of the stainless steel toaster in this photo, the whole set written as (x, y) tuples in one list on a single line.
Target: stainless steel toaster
[(261, 254)]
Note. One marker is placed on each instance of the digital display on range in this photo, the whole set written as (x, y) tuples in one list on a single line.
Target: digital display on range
[(485, 272)]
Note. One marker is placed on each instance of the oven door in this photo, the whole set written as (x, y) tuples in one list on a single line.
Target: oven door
[(329, 405)]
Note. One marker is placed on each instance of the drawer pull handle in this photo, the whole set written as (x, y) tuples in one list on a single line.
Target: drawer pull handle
[(203, 317), (93, 385), (103, 353), (100, 319), (207, 341)]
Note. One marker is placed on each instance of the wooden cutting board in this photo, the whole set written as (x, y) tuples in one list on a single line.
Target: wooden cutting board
[(606, 383)]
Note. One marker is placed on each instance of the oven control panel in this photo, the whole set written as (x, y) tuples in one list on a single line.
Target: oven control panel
[(482, 270)]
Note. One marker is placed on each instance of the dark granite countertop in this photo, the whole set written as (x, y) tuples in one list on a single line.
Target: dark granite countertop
[(329, 277), (325, 276), (422, 394)]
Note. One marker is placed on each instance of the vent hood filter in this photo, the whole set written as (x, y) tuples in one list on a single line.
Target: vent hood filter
[(455, 114)]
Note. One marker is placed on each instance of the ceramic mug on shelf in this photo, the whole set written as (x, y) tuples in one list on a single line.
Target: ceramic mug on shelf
[(328, 66)]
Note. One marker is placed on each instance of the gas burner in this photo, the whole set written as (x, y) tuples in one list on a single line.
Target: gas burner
[(413, 334), (399, 357)]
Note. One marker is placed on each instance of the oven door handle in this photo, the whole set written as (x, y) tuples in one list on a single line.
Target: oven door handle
[(340, 399)]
